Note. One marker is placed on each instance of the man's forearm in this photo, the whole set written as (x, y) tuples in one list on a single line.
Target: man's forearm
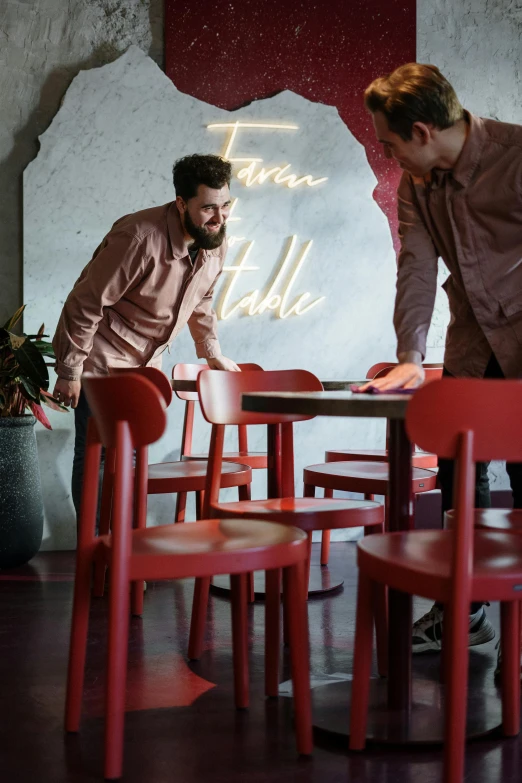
[(410, 357)]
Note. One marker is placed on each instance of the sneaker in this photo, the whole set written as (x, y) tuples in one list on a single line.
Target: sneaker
[(427, 631)]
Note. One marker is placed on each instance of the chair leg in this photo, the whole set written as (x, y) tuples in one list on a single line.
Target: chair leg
[(198, 619), (325, 538), (294, 592), (380, 614), (380, 604), (272, 631), (510, 645), (244, 492), (456, 629), (362, 661), (78, 645), (118, 641), (181, 504), (238, 584), (308, 561), (200, 501), (100, 568)]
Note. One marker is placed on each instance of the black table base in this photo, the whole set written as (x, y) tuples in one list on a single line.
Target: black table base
[(322, 582), (424, 725)]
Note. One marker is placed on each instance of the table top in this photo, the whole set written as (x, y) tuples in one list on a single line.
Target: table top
[(331, 385), (377, 406)]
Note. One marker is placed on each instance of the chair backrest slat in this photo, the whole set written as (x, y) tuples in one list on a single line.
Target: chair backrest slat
[(220, 394), (153, 374), (441, 411), (129, 398)]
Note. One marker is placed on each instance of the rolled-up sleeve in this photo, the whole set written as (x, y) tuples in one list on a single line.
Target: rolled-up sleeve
[(416, 274), (203, 326), (115, 267)]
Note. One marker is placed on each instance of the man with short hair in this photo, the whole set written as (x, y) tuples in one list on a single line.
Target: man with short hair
[(154, 272), (460, 198)]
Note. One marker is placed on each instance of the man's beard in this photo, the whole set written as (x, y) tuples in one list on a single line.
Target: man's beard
[(202, 236)]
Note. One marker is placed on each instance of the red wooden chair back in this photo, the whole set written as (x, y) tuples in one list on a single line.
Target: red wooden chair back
[(468, 420), (156, 376), (440, 413), (220, 396), (190, 372), (131, 399)]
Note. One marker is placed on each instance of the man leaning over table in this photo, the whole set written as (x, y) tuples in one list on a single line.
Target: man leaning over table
[(154, 272), (460, 198)]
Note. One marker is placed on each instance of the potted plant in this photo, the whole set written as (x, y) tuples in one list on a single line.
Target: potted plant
[(24, 383)]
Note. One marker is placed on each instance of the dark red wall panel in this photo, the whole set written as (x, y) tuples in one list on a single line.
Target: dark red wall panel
[(229, 53)]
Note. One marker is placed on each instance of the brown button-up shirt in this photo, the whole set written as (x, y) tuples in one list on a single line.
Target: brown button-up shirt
[(135, 296), (471, 216)]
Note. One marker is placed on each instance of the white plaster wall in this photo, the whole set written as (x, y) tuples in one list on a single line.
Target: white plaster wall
[(43, 45)]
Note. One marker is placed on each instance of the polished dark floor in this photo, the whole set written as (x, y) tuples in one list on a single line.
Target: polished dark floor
[(181, 724)]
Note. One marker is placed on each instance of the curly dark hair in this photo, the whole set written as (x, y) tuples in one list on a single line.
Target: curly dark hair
[(194, 170)]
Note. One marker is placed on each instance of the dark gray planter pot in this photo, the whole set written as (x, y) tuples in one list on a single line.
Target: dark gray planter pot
[(21, 505)]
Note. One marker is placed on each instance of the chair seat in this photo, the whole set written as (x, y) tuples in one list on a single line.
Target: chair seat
[(210, 547), (419, 562), (257, 460), (419, 459), (507, 519), (366, 477), (191, 476), (308, 513)]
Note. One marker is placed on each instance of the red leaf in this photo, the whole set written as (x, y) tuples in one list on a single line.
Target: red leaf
[(38, 412), (52, 402)]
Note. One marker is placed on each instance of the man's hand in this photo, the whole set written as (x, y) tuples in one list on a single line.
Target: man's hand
[(67, 392), (222, 363), (408, 374)]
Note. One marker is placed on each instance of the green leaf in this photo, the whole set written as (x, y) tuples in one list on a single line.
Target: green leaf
[(46, 349), (32, 392), (32, 365), (14, 319)]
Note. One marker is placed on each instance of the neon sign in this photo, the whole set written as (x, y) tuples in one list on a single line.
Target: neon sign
[(277, 294)]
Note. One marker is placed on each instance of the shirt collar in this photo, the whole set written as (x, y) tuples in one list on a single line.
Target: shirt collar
[(469, 158)]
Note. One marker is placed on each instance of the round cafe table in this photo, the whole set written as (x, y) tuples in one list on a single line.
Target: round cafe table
[(398, 714)]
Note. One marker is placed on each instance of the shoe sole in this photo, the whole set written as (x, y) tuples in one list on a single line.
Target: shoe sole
[(482, 636)]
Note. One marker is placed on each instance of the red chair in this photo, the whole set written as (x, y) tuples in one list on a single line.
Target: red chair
[(420, 459), (254, 459), (454, 567), (162, 478), (220, 399), (129, 413)]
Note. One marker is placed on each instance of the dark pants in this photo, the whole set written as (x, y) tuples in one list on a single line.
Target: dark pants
[(482, 493), (81, 416)]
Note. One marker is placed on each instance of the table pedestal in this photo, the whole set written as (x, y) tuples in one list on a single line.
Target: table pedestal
[(322, 581), (423, 724)]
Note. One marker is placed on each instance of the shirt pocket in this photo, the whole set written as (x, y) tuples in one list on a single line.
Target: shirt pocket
[(512, 309), (118, 327)]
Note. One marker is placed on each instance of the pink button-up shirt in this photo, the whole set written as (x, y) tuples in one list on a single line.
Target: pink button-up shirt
[(471, 216), (135, 295)]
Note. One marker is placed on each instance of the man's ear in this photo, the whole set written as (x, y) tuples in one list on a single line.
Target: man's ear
[(422, 132), (181, 205)]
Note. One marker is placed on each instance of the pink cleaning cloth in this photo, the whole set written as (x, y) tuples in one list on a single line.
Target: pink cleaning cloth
[(374, 390)]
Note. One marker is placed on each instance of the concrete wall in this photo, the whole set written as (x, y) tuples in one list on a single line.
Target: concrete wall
[(43, 45)]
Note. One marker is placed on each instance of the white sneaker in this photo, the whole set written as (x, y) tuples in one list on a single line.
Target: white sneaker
[(427, 631)]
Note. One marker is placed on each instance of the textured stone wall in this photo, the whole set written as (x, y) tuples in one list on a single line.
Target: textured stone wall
[(43, 45)]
